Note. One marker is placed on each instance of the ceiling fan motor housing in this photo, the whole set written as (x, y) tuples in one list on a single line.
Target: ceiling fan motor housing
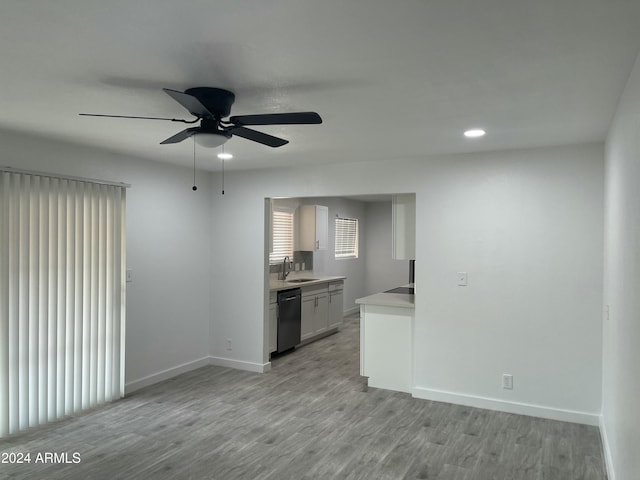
[(210, 125), (217, 100)]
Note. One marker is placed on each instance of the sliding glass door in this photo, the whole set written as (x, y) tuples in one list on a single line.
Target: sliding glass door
[(62, 297)]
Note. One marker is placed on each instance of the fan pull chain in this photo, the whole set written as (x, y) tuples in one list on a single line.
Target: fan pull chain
[(222, 158), (194, 188)]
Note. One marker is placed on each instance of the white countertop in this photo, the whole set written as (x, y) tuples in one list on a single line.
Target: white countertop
[(388, 300), (403, 300), (276, 285)]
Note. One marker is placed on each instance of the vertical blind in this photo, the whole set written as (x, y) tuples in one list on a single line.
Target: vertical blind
[(62, 297), (346, 238), (282, 236)]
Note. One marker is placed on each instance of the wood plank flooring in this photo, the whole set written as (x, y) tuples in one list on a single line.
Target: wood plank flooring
[(309, 418)]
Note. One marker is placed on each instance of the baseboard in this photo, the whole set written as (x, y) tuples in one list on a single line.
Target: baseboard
[(240, 364), (572, 416), (608, 460), (351, 311), (187, 367), (165, 375)]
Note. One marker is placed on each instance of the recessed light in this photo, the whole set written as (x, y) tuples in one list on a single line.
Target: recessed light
[(474, 133), (225, 156)]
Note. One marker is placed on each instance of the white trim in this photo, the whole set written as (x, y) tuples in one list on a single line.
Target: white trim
[(187, 367), (608, 459), (572, 416), (240, 364), (351, 311), (165, 375)]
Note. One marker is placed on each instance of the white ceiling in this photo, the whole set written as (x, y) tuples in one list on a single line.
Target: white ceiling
[(390, 79)]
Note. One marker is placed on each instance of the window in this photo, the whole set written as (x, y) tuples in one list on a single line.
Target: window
[(346, 238), (282, 236)]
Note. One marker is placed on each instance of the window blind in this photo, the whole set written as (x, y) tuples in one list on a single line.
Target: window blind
[(282, 231), (346, 238), (62, 297)]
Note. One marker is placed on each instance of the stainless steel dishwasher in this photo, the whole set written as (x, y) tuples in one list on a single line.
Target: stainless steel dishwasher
[(289, 304)]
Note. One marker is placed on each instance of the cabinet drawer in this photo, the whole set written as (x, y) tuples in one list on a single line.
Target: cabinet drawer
[(314, 290), (335, 286)]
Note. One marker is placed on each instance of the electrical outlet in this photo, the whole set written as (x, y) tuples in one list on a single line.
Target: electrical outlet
[(462, 279), (229, 344), (507, 381)]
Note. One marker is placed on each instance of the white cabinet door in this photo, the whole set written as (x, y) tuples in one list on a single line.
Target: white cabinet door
[(273, 327), (335, 308), (307, 317), (311, 230), (404, 227), (322, 227), (321, 315)]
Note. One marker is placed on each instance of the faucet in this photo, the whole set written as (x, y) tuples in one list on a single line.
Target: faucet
[(285, 272)]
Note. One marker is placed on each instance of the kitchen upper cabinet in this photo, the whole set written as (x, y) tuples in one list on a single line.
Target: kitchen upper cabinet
[(336, 301), (403, 219), (312, 228)]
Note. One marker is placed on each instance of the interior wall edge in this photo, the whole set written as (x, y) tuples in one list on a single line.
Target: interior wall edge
[(606, 447)]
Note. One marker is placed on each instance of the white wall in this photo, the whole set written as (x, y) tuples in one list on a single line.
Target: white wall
[(621, 375), (525, 225), (168, 248), (382, 272), (527, 228)]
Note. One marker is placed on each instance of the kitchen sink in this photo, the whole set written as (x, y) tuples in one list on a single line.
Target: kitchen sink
[(301, 280)]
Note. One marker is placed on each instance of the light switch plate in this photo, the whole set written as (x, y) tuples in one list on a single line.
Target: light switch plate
[(129, 275), (462, 279)]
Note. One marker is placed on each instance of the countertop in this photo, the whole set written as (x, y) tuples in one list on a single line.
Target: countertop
[(384, 299), (277, 285)]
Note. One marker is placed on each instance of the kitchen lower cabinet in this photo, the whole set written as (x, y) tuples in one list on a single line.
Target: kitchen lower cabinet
[(389, 330), (315, 312), (321, 317), (307, 314), (321, 308), (336, 301)]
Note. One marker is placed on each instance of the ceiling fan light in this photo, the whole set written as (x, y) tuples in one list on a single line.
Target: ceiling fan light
[(474, 133), (210, 139)]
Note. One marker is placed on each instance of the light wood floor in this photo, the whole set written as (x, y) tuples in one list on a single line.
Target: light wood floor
[(310, 417)]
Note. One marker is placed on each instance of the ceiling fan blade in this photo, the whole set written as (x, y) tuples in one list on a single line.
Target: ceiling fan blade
[(143, 118), (298, 118), (180, 136), (259, 137), (189, 102)]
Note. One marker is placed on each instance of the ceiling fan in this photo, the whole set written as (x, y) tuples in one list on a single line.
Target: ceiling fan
[(210, 106)]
